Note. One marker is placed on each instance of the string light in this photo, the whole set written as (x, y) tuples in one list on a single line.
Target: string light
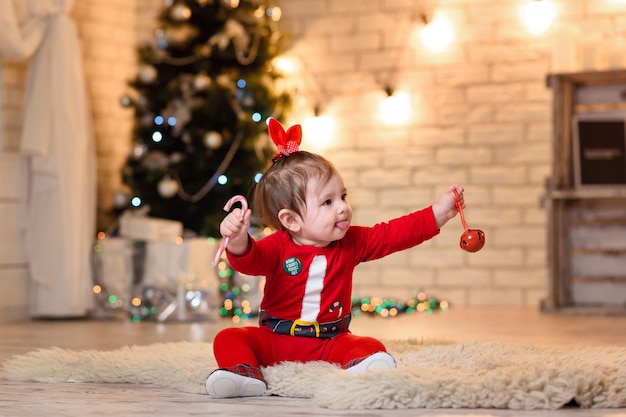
[(319, 131), (390, 307), (275, 13), (438, 34), (395, 109), (286, 65), (537, 15)]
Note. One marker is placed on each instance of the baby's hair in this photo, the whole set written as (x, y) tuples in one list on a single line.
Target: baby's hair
[(283, 186)]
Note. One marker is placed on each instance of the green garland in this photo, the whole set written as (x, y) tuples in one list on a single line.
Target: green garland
[(391, 307), (236, 305)]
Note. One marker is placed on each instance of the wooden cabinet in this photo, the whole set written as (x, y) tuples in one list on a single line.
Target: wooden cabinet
[(586, 194)]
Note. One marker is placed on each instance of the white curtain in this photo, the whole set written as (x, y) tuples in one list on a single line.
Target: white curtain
[(57, 139)]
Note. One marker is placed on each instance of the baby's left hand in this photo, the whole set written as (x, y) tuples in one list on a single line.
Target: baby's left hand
[(445, 209)]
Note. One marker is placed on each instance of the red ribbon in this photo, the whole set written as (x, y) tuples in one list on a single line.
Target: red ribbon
[(286, 142), (457, 203)]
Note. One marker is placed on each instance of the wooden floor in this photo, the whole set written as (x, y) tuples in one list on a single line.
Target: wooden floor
[(523, 326)]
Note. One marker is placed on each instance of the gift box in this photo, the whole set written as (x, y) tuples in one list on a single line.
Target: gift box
[(113, 272), (149, 229), (178, 281), (157, 280)]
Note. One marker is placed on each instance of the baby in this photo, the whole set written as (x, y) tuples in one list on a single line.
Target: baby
[(308, 264)]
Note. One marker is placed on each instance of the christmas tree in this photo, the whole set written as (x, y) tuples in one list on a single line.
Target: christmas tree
[(204, 90)]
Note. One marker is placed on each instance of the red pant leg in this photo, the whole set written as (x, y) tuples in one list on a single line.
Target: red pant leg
[(347, 347), (245, 345)]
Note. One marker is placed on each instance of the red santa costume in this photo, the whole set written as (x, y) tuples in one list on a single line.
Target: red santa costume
[(305, 311)]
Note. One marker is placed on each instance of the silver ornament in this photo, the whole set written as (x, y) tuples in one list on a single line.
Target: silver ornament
[(213, 139), (201, 81), (155, 160), (120, 199), (167, 187), (147, 74), (176, 157), (125, 101)]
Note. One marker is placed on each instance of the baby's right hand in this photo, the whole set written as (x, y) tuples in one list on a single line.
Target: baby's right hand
[(235, 227), (236, 224)]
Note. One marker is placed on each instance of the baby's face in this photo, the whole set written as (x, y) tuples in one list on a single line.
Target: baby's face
[(327, 215)]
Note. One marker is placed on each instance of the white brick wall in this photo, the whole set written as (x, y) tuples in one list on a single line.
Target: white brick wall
[(482, 118)]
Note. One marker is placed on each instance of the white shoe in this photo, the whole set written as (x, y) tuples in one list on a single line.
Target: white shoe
[(378, 360), (225, 384)]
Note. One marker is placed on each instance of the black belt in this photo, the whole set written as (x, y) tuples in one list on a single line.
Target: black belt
[(305, 328)]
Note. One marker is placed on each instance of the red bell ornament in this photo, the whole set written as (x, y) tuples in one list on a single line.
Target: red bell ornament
[(472, 240)]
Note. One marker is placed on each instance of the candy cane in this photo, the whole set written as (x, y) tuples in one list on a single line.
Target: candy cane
[(244, 207)]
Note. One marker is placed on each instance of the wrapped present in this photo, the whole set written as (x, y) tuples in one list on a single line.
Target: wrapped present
[(149, 229), (168, 264), (177, 281), (113, 272)]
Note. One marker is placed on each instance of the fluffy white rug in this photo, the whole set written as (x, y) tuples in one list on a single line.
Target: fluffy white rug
[(429, 375)]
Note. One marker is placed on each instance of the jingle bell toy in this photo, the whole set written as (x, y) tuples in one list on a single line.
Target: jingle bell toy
[(472, 240)]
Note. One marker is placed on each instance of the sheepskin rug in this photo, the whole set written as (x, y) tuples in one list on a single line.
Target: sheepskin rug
[(429, 374)]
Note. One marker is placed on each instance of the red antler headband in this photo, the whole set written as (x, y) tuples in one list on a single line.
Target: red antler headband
[(287, 142)]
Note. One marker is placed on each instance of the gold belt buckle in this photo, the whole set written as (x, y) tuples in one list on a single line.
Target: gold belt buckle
[(299, 322)]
